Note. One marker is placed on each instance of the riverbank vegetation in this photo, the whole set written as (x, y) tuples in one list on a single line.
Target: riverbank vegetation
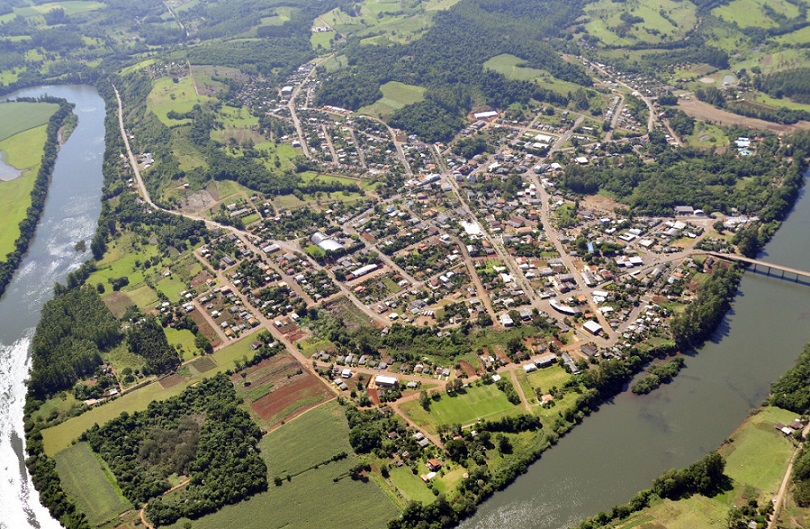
[(658, 374), (27, 226)]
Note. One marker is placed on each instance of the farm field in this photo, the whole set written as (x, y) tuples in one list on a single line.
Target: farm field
[(756, 461), (279, 388), (478, 402), (59, 437), (312, 497), (86, 479), (23, 151), (19, 117), (395, 96)]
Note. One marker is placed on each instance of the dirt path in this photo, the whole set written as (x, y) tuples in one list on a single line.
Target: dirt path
[(706, 112), (519, 388), (780, 496)]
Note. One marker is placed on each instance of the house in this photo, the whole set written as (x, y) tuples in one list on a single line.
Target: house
[(506, 320), (346, 373), (255, 345), (434, 465), (548, 359), (569, 362), (529, 368), (589, 350)]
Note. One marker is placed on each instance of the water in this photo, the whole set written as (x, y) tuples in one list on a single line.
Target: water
[(70, 214), (628, 443), (7, 171)]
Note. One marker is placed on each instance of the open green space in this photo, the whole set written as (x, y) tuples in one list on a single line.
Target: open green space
[(513, 68), (549, 377), (410, 485), (184, 339), (756, 460), (19, 117), (476, 402), (312, 497), (749, 13), (663, 20), (395, 96), (88, 481), (59, 437), (168, 95), (22, 151)]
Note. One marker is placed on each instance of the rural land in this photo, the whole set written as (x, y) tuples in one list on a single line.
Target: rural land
[(367, 260)]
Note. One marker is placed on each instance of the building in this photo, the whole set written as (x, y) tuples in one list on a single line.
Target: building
[(485, 115), (545, 360), (592, 327), (684, 210), (325, 243), (386, 382)]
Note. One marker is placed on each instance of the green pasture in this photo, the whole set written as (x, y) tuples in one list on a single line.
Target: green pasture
[(605, 17), (19, 117), (395, 96), (749, 13), (312, 497), (756, 460), (71, 7), (184, 339), (88, 481), (166, 95), (478, 402), (322, 40)]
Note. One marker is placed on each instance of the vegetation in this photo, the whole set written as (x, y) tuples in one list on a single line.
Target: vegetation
[(791, 391), (40, 191), (658, 374), (201, 433)]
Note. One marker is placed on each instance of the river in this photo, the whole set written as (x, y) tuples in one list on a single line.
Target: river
[(71, 213), (621, 449), (602, 462)]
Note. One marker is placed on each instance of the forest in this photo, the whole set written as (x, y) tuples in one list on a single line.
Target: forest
[(73, 330), (794, 84), (201, 433), (449, 58)]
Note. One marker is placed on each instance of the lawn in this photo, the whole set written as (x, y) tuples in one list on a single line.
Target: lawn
[(311, 498), (59, 437), (19, 117), (184, 339), (410, 486), (548, 377), (479, 402), (90, 484), (395, 96)]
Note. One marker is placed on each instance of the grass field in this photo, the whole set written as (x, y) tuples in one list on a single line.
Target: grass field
[(395, 96), (605, 19), (749, 13), (22, 151), (511, 66), (756, 461), (59, 437), (707, 136), (18, 117), (166, 95), (311, 498), (479, 402), (90, 484)]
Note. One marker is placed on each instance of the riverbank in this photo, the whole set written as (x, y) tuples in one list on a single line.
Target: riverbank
[(70, 213), (39, 191)]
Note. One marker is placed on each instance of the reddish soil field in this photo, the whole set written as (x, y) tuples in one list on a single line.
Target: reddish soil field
[(203, 364), (171, 380), (117, 302), (301, 393), (206, 328), (467, 368), (199, 279)]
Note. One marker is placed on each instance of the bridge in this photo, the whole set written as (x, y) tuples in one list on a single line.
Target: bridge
[(799, 274)]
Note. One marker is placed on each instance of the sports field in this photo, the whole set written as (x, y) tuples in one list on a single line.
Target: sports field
[(478, 402)]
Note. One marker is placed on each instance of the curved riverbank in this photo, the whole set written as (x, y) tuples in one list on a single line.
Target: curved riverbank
[(620, 450), (70, 213)]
